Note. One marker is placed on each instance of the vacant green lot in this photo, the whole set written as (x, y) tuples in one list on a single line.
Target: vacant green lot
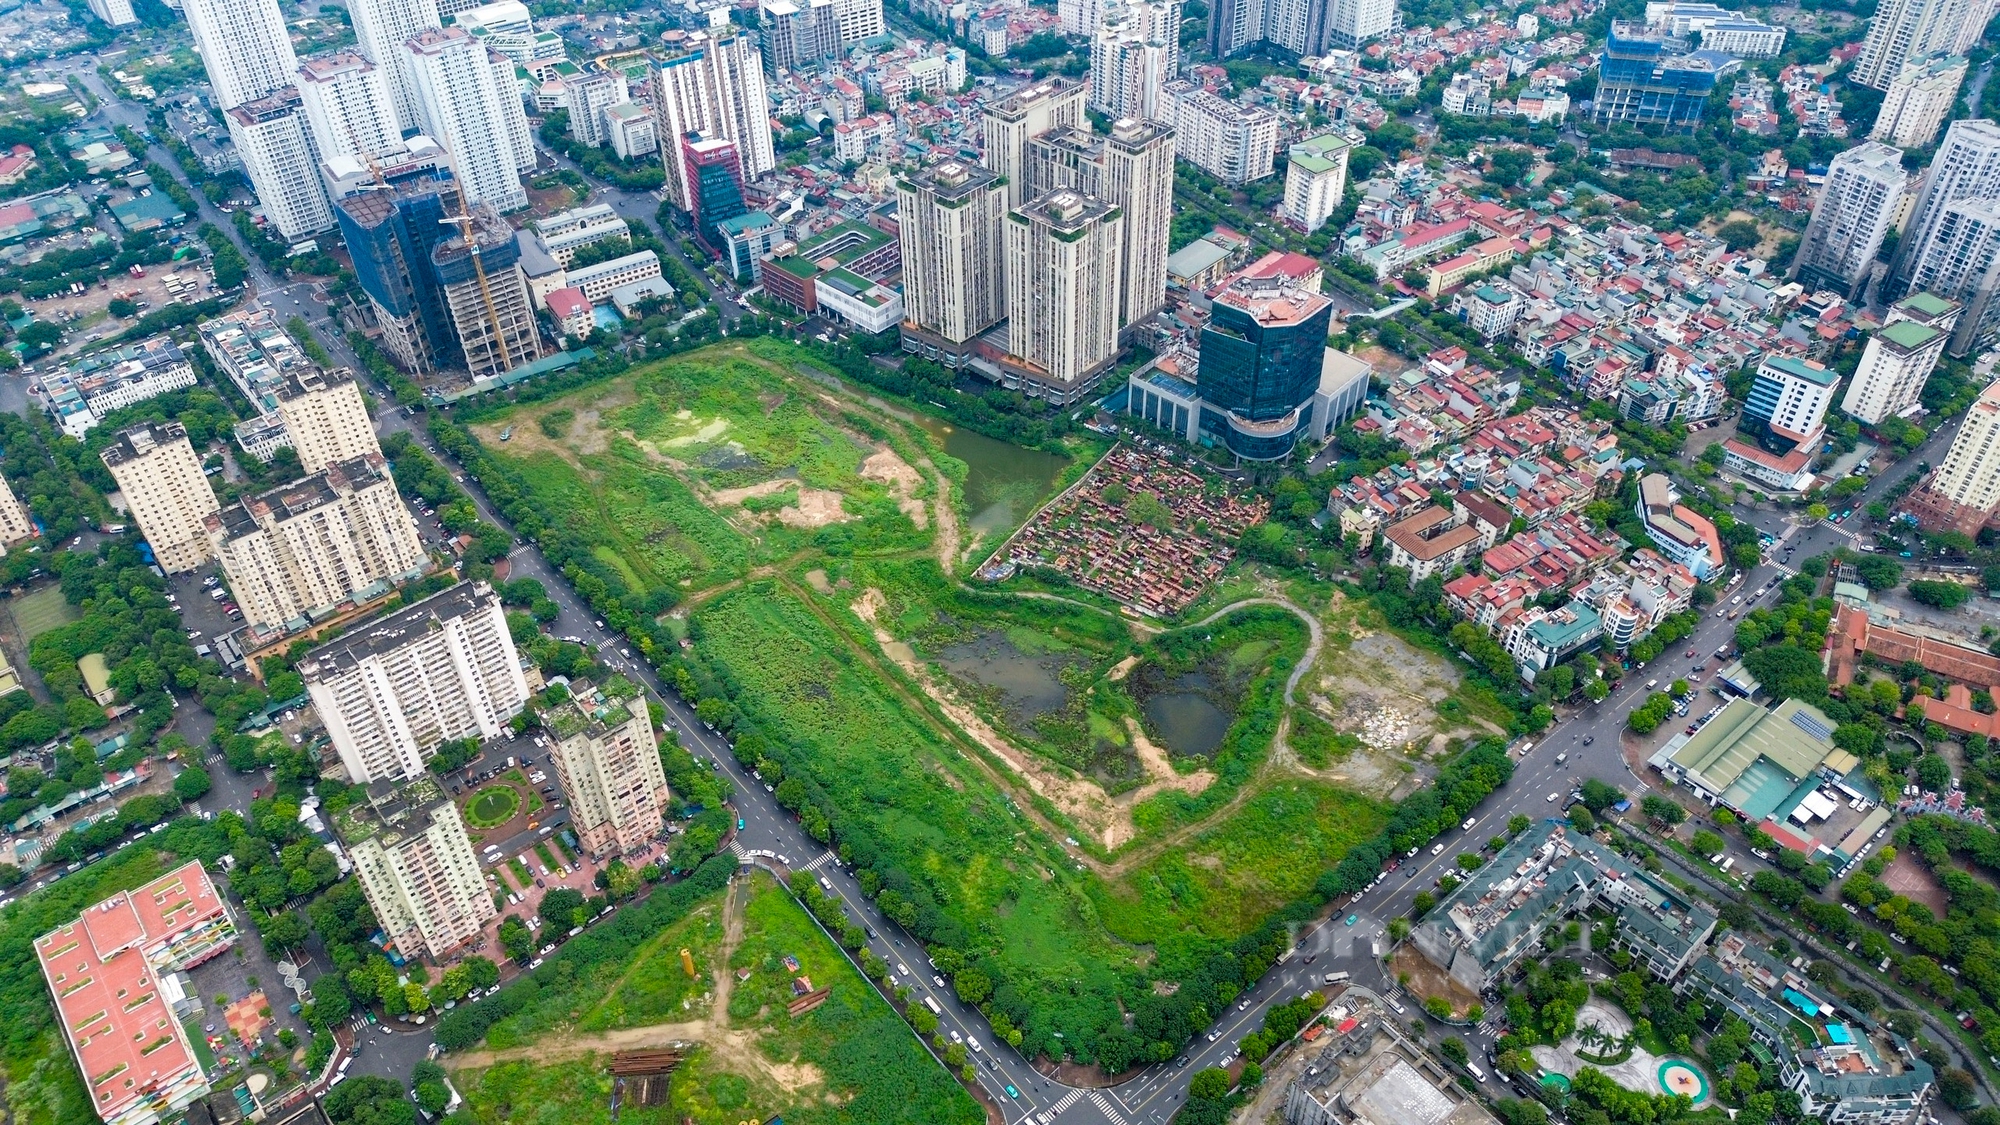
[(37, 613)]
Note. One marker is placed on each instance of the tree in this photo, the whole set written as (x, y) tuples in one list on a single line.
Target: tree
[(1740, 235), (1663, 811), (1957, 1088), (284, 931), (562, 909), (1211, 1084), (1934, 773), (1581, 820), (192, 783), (1438, 1006), (1453, 1048), (1597, 795), (367, 1100), (1878, 573), (1706, 843), (427, 1082), (516, 938), (1942, 595)]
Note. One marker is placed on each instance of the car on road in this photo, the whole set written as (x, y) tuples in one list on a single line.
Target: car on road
[(739, 824), (1012, 1092), (1353, 918), (1552, 798), (1589, 738), (1181, 1062)]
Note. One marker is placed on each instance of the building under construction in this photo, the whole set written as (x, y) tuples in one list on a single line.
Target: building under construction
[(486, 294), (390, 233)]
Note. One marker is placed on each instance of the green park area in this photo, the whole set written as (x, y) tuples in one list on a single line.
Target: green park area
[(492, 806), (849, 1060), (1063, 800)]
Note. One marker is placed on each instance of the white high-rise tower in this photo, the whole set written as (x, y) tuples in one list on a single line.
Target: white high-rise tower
[(1134, 51), (466, 101), (381, 27), (348, 105), (1907, 30), (277, 153), (244, 47), (713, 84), (1063, 300), (1967, 166), (950, 227)]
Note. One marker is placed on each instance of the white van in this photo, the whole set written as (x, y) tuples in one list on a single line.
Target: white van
[(932, 1004), (1336, 978), (1478, 1075), (1727, 864)]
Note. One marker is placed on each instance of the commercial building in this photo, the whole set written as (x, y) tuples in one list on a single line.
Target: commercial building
[(485, 295), (269, 133), (326, 417), (589, 94), (1650, 77), (1898, 359), (1015, 121), (440, 670), (92, 386), (712, 83), (869, 306), (714, 171), (1541, 879), (565, 233), (349, 107), (1918, 101), (129, 1013), (1063, 297), (1131, 167), (1261, 356), (1315, 180), (1235, 143), (161, 479), (1718, 28), (949, 224), (634, 132), (791, 270), (1903, 30), (1789, 398), (468, 100), (1134, 51), (244, 46), (254, 352), (1754, 762), (295, 553), (1490, 309), (747, 241), (1682, 534), (1965, 167), (417, 868), (390, 235), (609, 765), (381, 27), (1866, 192)]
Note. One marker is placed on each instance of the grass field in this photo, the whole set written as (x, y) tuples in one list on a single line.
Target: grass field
[(37, 613)]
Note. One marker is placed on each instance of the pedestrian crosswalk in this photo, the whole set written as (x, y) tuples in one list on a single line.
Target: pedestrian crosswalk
[(824, 859), (1109, 1108), (1050, 1114)]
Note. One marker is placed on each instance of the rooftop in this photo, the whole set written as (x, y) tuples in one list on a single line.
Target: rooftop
[(390, 633)]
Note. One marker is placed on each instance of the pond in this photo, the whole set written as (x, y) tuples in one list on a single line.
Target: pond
[(1003, 481), (1185, 719), (1027, 683)]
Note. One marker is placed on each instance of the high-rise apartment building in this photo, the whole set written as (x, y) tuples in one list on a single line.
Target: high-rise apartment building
[(1866, 189), (712, 83), (1303, 27), (278, 157), (115, 13), (1347, 24), (1965, 167), (634, 130), (244, 46), (1650, 77), (1235, 143), (714, 171), (1134, 52), (14, 522), (1261, 356), (1132, 168), (798, 34), (1898, 359), (1078, 18), (1964, 492), (1961, 261), (161, 479), (349, 108), (381, 27), (466, 99), (417, 868), (1918, 101), (326, 417), (392, 691), (609, 765), (390, 235), (1063, 296), (1903, 30), (950, 221), (1315, 180), (590, 94), (294, 552), (492, 318), (1011, 123)]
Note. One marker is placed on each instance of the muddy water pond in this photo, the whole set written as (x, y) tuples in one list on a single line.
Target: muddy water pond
[(1027, 683), (1003, 481), (1184, 719)]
